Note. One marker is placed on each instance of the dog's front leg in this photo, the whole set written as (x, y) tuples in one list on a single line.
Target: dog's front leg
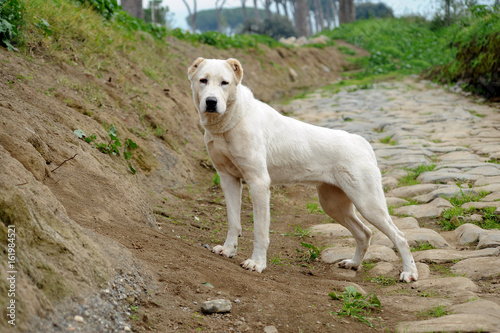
[(260, 191), (231, 187)]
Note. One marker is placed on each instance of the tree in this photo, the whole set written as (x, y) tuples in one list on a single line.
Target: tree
[(347, 11), (256, 11), (191, 15), (133, 7), (301, 14), (244, 9), (155, 13), (218, 9), (368, 10)]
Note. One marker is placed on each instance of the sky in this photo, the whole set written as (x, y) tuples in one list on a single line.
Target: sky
[(423, 7)]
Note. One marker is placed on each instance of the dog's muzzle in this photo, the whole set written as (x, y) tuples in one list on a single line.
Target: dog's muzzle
[(211, 104)]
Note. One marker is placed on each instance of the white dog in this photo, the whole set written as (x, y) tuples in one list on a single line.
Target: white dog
[(247, 139)]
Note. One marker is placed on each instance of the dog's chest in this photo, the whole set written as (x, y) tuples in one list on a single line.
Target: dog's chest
[(221, 156)]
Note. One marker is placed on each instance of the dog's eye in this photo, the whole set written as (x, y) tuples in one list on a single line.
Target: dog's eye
[(223, 83), (204, 81)]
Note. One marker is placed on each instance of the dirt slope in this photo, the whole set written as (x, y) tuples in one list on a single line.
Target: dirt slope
[(81, 216)]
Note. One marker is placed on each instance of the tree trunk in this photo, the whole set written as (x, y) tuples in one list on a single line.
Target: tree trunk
[(334, 12), (256, 11), (244, 9), (301, 11), (268, 9), (191, 14), (318, 16), (218, 13), (285, 8), (133, 7), (347, 11)]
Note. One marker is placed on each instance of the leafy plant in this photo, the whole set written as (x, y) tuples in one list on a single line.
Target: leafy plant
[(422, 246), (112, 146), (388, 140), (355, 304), (314, 207), (216, 179), (314, 252), (11, 21), (107, 8), (384, 281)]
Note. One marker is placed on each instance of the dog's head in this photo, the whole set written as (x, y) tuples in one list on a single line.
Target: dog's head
[(214, 84)]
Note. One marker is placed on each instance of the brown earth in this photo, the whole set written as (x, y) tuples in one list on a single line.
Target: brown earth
[(81, 216)]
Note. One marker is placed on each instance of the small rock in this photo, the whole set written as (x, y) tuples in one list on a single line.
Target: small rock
[(480, 307), (432, 209), (489, 239), (452, 323), (216, 306), (468, 233), (395, 202), (270, 329), (478, 268), (79, 319)]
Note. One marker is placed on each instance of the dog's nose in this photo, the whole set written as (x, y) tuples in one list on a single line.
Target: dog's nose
[(211, 104)]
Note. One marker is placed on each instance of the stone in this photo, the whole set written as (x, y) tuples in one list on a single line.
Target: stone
[(423, 271), (293, 74), (495, 196), (270, 329), (468, 233), (410, 305), (333, 255), (445, 177), (331, 230), (487, 181), (404, 223), (489, 239), (445, 192), (481, 204), (478, 268), (452, 323), (216, 306), (414, 237), (439, 256), (378, 253), (79, 319), (382, 269), (432, 209), (412, 191), (389, 183), (448, 285), (485, 171), (480, 307), (395, 202), (458, 156)]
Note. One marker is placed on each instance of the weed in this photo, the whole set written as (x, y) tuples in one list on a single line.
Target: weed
[(112, 146), (314, 252), (11, 20), (388, 140), (438, 311), (412, 174), (301, 233), (384, 281), (277, 260), (355, 304), (216, 179), (422, 246), (314, 207), (368, 265)]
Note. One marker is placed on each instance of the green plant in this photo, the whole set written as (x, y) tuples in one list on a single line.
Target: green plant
[(438, 311), (11, 22), (314, 252), (112, 146), (314, 207), (412, 174), (384, 281), (422, 246), (107, 8), (355, 304), (216, 179), (388, 140), (298, 231)]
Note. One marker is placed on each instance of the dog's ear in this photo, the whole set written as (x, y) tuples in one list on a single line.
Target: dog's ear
[(236, 66), (194, 67)]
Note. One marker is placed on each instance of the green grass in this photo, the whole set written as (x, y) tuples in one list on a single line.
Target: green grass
[(396, 45), (412, 174), (388, 140), (438, 311), (422, 246)]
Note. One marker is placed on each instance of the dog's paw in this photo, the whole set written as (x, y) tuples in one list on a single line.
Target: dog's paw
[(408, 276), (253, 266), (223, 251), (349, 264)]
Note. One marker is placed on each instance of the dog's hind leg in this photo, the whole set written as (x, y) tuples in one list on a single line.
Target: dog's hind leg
[(231, 187), (338, 206), (369, 199)]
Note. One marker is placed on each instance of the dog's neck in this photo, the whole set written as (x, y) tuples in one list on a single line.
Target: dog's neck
[(217, 123)]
